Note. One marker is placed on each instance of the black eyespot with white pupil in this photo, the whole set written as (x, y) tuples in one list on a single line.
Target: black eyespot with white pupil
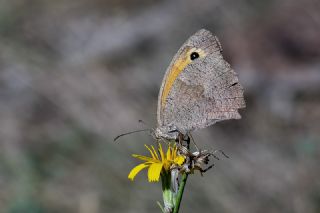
[(194, 55)]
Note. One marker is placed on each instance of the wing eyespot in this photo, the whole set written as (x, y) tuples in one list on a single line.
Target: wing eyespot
[(194, 55)]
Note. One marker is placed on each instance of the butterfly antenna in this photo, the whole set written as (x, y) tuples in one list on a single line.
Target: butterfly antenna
[(128, 133), (143, 123)]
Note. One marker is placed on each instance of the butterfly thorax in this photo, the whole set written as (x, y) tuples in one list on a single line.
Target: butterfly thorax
[(169, 132)]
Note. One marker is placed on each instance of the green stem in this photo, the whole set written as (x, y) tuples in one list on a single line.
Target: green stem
[(167, 193), (180, 192)]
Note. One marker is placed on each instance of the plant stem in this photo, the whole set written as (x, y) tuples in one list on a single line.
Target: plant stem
[(180, 192), (167, 193)]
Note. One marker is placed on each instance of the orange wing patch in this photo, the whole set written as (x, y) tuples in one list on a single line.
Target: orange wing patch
[(178, 66)]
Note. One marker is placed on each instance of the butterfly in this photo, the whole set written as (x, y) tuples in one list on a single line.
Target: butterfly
[(199, 89)]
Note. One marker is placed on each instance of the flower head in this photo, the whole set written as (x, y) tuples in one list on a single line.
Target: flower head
[(158, 162)]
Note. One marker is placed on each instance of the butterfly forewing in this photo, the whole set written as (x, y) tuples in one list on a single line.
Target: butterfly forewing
[(199, 91)]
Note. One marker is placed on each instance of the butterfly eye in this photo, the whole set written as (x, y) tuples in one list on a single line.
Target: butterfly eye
[(194, 55)]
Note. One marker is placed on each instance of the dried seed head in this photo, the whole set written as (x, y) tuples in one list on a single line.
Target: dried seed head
[(197, 160)]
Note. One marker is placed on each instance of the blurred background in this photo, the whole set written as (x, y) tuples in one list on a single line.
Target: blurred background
[(75, 74)]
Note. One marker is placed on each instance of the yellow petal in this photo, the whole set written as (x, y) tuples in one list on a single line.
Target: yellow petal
[(161, 152), (136, 170), (151, 152), (169, 153), (154, 172), (155, 152), (174, 152), (145, 158), (179, 160)]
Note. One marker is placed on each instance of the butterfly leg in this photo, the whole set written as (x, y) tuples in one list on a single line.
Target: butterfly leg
[(187, 140), (194, 143), (206, 169)]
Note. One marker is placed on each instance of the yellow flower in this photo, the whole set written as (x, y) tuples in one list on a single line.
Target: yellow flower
[(157, 164)]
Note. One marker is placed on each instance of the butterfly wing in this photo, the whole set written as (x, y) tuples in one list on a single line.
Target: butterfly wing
[(199, 91)]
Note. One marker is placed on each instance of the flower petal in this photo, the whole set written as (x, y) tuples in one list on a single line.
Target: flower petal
[(155, 152), (154, 172), (179, 160), (145, 158), (174, 151), (151, 152), (169, 153), (161, 153), (136, 170)]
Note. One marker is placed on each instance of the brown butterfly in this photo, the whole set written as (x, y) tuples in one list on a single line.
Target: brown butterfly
[(199, 89)]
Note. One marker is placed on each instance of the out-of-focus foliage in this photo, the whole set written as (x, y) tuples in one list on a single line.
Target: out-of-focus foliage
[(74, 74)]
